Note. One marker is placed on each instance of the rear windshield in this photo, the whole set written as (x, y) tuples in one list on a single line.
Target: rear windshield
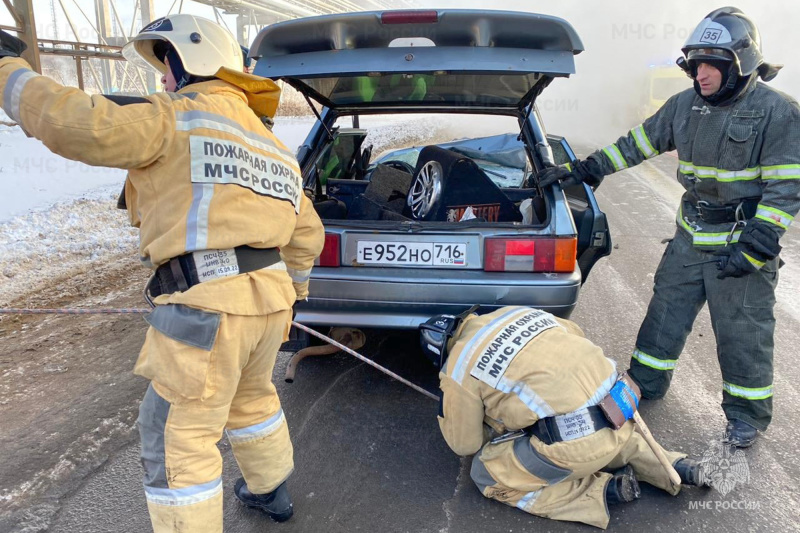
[(473, 89)]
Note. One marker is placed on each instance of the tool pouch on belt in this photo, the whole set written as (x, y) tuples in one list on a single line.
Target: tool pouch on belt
[(621, 402)]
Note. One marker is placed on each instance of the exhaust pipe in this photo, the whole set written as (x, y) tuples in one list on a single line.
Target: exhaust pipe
[(349, 337)]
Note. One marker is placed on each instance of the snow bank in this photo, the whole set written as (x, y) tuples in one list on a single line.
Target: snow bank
[(45, 244)]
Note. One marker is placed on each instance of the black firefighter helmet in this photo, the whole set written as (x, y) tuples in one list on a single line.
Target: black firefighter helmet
[(728, 40)]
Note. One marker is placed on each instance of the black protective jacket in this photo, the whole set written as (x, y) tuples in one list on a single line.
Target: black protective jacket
[(749, 149)]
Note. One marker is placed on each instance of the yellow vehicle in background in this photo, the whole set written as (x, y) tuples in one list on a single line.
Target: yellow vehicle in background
[(662, 83)]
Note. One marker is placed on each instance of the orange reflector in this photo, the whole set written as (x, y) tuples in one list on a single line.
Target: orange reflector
[(566, 253)]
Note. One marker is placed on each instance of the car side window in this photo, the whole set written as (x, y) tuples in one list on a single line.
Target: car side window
[(560, 154)]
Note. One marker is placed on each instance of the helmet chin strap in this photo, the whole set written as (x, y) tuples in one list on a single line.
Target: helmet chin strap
[(182, 78)]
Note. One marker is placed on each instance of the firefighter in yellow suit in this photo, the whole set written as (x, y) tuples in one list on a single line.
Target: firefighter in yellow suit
[(535, 380), (225, 225)]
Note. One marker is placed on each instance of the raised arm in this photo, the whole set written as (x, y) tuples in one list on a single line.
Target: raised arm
[(92, 129)]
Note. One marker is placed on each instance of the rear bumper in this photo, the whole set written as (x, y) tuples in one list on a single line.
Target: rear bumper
[(404, 298)]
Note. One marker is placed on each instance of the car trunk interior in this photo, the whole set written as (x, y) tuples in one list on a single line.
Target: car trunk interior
[(444, 184)]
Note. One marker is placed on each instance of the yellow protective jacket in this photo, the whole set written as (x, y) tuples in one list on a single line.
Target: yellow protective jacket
[(204, 173), (513, 367)]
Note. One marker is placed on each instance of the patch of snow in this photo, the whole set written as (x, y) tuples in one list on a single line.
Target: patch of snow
[(48, 243), (292, 131), (32, 177)]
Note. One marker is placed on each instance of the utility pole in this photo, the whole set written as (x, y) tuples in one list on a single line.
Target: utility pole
[(242, 30), (108, 73), (24, 13), (55, 21), (148, 12)]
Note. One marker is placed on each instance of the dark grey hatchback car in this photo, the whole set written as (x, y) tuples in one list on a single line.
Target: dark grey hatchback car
[(434, 229)]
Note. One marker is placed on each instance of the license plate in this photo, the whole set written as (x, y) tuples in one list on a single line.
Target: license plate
[(412, 253)]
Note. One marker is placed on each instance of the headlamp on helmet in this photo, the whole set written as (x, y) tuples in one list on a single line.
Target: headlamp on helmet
[(433, 337), (436, 332)]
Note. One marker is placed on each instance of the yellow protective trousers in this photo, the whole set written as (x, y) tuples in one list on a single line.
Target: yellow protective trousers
[(194, 395), (564, 481)]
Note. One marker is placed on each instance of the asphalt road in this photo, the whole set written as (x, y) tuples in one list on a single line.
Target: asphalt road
[(368, 453)]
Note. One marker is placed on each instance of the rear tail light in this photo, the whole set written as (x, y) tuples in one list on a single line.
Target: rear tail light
[(409, 17), (330, 252), (529, 255)]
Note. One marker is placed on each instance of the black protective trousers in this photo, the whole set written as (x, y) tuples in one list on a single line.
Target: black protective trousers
[(742, 318)]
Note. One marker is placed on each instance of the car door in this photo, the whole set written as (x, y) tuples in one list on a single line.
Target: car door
[(594, 236)]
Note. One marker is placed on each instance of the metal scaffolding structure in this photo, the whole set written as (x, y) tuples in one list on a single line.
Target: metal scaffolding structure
[(255, 14), (269, 11), (109, 72)]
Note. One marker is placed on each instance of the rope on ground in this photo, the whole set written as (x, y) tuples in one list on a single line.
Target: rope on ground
[(75, 311), (142, 311), (370, 362)]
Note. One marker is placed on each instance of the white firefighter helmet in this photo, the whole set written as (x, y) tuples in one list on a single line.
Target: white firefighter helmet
[(202, 45)]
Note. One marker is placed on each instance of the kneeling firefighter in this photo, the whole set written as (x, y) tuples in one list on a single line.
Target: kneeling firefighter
[(540, 384), (231, 237)]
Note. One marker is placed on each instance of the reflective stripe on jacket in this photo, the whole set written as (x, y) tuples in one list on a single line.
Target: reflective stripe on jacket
[(203, 173), (750, 149)]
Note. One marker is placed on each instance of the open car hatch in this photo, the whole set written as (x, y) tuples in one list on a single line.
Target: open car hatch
[(419, 59)]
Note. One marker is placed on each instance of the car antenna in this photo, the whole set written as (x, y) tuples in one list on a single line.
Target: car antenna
[(316, 113)]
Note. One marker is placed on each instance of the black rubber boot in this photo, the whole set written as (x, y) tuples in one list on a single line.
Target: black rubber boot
[(623, 487), (691, 472), (277, 504), (740, 434)]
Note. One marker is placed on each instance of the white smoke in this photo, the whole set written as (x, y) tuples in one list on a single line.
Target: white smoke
[(622, 40)]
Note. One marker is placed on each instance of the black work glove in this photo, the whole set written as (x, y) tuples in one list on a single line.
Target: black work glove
[(11, 46), (761, 238), (587, 171), (757, 241), (733, 263)]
